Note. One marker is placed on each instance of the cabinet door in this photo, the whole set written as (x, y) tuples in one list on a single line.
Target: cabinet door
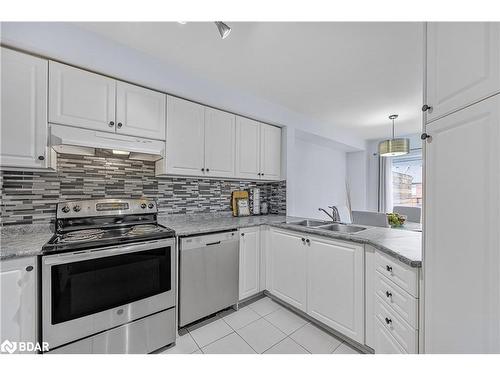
[(270, 152), (384, 342), (220, 138), (247, 148), (18, 308), (185, 137), (249, 262), (80, 98), (288, 267), (140, 112), (24, 110), (463, 64), (335, 290), (462, 271)]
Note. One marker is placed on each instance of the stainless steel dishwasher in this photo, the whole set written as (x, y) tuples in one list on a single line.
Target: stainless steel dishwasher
[(209, 275)]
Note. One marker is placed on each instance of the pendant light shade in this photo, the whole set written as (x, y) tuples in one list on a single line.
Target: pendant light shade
[(224, 29), (394, 146)]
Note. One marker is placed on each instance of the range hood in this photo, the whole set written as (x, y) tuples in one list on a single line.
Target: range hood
[(70, 140)]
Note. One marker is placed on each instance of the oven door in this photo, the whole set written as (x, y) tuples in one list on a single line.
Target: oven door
[(91, 291)]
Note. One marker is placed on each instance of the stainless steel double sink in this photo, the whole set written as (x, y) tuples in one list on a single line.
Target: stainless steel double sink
[(328, 226)]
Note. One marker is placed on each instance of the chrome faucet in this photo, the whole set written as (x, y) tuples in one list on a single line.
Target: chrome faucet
[(335, 216)]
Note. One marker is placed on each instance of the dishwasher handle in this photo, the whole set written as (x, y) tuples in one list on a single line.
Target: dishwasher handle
[(213, 243)]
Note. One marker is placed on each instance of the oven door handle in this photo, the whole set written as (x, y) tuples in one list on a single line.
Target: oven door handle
[(105, 252)]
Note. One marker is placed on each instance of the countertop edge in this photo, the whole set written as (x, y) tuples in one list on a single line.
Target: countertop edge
[(347, 237), (235, 226)]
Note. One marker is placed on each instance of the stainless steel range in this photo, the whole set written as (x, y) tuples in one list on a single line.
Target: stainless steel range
[(108, 279)]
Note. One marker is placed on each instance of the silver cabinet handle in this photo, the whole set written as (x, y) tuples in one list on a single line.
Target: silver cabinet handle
[(29, 268), (111, 124)]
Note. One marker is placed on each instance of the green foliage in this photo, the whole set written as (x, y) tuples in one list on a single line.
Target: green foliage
[(395, 219)]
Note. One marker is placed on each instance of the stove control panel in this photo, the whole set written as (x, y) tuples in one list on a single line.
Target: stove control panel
[(105, 207)]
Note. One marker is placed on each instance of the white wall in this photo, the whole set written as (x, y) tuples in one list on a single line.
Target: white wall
[(316, 175), (356, 178)]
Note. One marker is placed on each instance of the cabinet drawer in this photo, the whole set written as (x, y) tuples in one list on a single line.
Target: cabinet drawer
[(138, 337), (404, 276), (384, 342), (404, 334), (403, 303)]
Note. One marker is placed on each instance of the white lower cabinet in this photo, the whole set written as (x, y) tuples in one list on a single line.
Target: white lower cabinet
[(18, 312), (288, 267), (335, 289), (392, 304), (249, 283), (384, 342)]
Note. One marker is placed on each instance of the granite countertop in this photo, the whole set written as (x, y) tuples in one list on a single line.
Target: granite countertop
[(186, 225), (23, 240), (406, 246)]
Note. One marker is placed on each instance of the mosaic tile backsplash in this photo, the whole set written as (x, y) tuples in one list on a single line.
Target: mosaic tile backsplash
[(31, 197)]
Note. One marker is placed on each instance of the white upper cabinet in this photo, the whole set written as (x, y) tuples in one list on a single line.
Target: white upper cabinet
[(288, 268), (140, 112), (24, 110), (220, 133), (185, 152), (80, 98), (249, 262), (335, 285), (18, 311), (463, 65), (461, 271), (270, 152), (247, 148), (258, 150)]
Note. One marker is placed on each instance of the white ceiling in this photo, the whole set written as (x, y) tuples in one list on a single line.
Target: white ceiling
[(351, 75)]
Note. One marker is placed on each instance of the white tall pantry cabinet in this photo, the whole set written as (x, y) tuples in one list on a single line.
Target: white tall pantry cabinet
[(462, 189)]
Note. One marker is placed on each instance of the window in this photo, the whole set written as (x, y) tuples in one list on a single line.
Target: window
[(407, 179)]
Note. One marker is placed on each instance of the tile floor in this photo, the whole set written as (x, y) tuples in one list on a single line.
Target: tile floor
[(263, 326)]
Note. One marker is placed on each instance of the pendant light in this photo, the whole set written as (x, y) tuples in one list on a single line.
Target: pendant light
[(394, 146)]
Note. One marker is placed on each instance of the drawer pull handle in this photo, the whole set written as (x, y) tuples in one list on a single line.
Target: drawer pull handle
[(388, 268), (388, 321), (388, 294)]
